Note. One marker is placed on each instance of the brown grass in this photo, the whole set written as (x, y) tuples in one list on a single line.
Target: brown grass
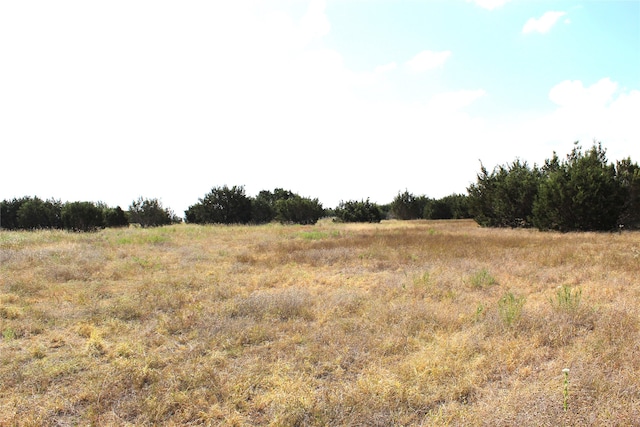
[(398, 323)]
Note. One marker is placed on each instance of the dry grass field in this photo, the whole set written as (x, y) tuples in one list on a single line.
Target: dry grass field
[(399, 323)]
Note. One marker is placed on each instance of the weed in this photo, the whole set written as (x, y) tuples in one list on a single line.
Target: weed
[(314, 235), (143, 262), (95, 345), (565, 390), (9, 334), (10, 313), (567, 299), (38, 352), (482, 279), (421, 284), (480, 312), (510, 308)]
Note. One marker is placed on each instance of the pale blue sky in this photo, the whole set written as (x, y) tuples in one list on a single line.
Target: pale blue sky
[(335, 99)]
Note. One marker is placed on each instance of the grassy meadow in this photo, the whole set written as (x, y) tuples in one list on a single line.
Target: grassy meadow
[(399, 323)]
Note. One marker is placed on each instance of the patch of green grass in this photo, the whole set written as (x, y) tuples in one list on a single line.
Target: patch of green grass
[(9, 334), (126, 240), (143, 262), (421, 284), (567, 298), (482, 279), (510, 308), (152, 238), (314, 235)]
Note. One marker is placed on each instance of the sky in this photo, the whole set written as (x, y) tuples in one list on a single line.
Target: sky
[(332, 99)]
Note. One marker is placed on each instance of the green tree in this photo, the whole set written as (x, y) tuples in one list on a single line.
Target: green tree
[(36, 213), (222, 205), (9, 212), (504, 197), (298, 210), (82, 216), (150, 213), (358, 211), (454, 206), (628, 178), (407, 206), (581, 193), (263, 206), (115, 217)]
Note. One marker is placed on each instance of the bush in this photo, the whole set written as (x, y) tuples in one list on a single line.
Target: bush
[(505, 197), (82, 216), (407, 206), (115, 217), (580, 193), (454, 206), (222, 205), (358, 211), (298, 210), (150, 213), (263, 207), (628, 178), (9, 213), (36, 213)]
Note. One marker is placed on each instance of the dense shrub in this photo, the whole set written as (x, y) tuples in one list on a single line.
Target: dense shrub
[(262, 210), (580, 193), (583, 192), (82, 216), (263, 206), (222, 205), (29, 213), (455, 206), (35, 213), (504, 197), (628, 178), (115, 217), (9, 212), (298, 210), (408, 206), (150, 213), (358, 211)]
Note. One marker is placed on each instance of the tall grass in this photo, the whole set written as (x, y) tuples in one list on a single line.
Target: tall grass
[(398, 323)]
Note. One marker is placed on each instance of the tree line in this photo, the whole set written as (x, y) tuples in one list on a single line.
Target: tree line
[(33, 213), (222, 205), (582, 192)]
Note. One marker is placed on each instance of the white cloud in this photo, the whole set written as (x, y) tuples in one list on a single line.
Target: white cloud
[(386, 68), (314, 24), (427, 60), (543, 24), (452, 101), (600, 111), (489, 4), (572, 93)]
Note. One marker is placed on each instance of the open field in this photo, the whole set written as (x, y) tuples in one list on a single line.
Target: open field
[(399, 323)]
